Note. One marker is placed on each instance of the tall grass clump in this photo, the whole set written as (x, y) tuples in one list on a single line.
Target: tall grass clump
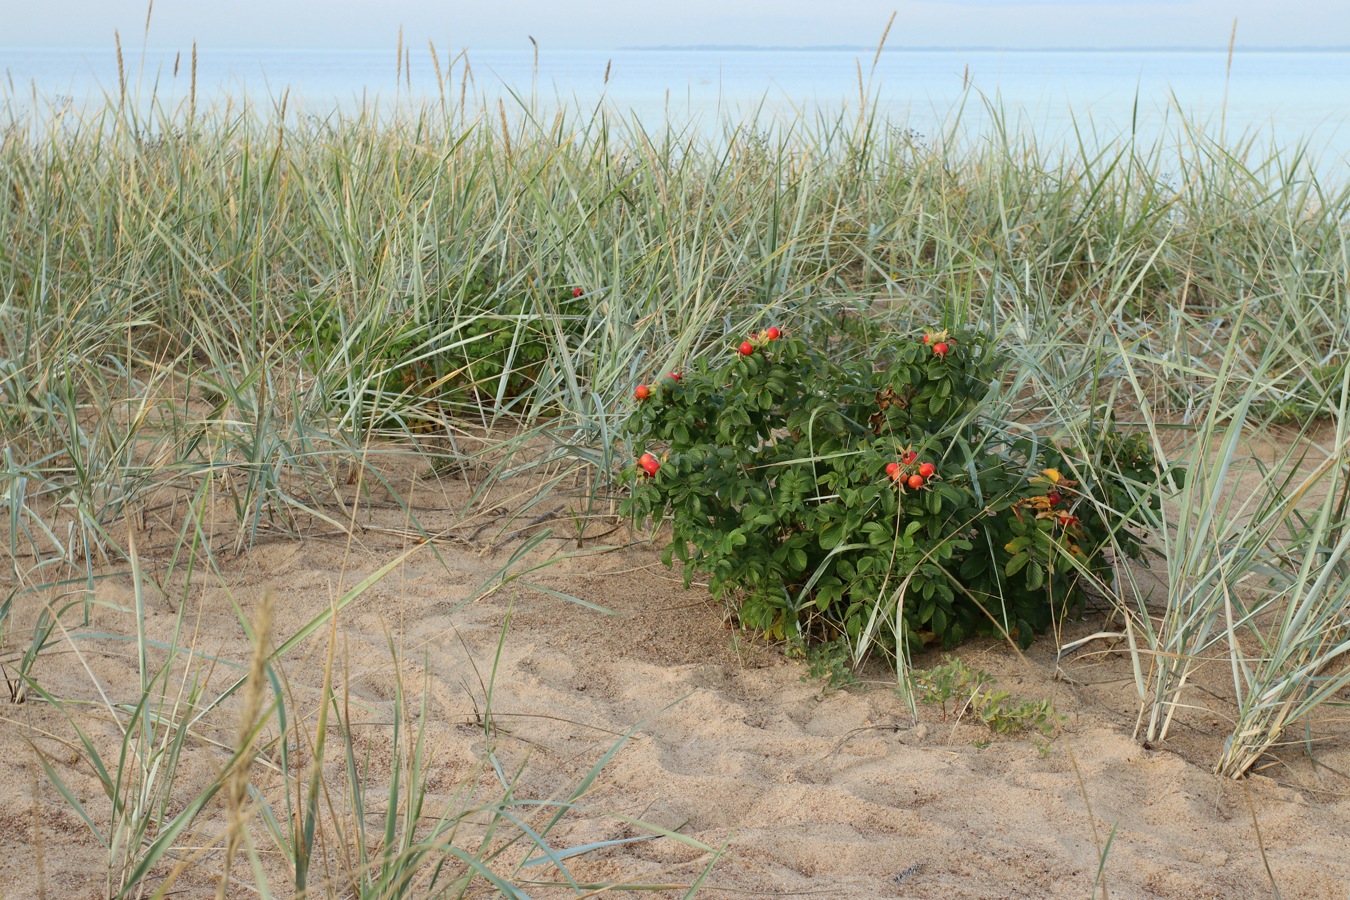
[(1255, 566)]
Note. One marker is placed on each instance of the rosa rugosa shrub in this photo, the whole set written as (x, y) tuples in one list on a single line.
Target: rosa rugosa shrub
[(871, 498)]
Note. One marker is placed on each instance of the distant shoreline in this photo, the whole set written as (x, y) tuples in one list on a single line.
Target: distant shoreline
[(864, 48), (8, 49)]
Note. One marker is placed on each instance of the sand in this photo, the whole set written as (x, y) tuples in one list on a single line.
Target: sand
[(812, 791)]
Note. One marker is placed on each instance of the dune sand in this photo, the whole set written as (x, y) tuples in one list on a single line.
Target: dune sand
[(812, 792)]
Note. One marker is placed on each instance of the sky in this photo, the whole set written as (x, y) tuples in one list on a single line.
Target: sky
[(458, 24)]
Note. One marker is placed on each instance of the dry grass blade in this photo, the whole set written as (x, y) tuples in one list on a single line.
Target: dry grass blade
[(237, 779)]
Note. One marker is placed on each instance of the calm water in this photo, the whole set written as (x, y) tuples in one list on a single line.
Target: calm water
[(1286, 96)]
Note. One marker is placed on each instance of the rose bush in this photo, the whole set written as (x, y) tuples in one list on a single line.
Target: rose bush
[(871, 498)]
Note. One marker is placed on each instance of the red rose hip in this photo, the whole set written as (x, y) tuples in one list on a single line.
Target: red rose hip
[(927, 470), (773, 333), (746, 348), (642, 392), (915, 481), (893, 470), (941, 348)]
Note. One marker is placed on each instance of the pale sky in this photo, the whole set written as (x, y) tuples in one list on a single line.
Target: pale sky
[(612, 23)]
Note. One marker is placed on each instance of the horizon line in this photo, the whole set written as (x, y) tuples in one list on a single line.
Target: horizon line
[(758, 48), (871, 48)]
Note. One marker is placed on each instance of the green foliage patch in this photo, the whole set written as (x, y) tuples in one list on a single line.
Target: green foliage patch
[(474, 342), (969, 690)]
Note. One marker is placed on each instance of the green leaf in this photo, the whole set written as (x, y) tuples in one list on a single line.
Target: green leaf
[(1035, 577), (833, 536)]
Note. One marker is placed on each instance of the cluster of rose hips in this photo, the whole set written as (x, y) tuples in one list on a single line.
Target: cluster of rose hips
[(649, 464), (940, 341), (1054, 496), (1065, 518), (772, 333), (907, 474), (643, 391)]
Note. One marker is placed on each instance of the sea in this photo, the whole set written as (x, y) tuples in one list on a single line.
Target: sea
[(1291, 100)]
